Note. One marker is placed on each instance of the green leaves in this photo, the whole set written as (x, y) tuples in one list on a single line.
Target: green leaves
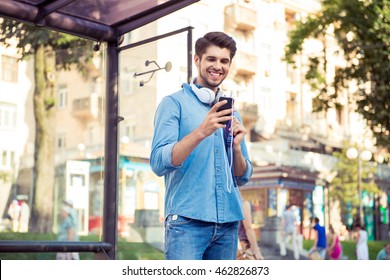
[(362, 31)]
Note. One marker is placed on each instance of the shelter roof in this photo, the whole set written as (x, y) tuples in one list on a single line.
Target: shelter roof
[(100, 20)]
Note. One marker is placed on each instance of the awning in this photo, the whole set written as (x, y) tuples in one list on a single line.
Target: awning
[(272, 176), (100, 20)]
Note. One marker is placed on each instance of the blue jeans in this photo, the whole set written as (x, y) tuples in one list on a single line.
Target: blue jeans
[(321, 251), (189, 239)]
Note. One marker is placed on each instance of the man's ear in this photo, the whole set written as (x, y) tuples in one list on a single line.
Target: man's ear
[(197, 60)]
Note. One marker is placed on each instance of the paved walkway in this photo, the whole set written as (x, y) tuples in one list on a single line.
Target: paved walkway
[(272, 253)]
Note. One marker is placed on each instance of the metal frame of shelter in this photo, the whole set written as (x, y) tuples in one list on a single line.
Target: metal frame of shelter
[(65, 16)]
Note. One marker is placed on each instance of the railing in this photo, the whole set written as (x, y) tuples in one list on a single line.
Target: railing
[(99, 248), (245, 63), (88, 107), (241, 17)]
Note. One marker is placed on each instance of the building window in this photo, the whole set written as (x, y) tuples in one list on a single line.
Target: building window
[(62, 96), (61, 141), (265, 103), (91, 135), (266, 58), (7, 116), (340, 115), (4, 158), (9, 66), (7, 159), (129, 132)]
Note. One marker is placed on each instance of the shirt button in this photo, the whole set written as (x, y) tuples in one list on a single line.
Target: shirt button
[(218, 170), (217, 151)]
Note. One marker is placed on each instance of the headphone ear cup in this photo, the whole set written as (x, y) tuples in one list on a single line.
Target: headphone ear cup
[(205, 95)]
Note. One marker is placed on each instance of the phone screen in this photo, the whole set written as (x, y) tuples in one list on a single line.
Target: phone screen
[(228, 105)]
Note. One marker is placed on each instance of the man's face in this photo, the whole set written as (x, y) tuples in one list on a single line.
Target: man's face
[(213, 67)]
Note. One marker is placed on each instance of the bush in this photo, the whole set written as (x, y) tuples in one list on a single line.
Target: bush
[(349, 248)]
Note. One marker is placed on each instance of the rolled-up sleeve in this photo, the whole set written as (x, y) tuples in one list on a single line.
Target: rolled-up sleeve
[(242, 180), (166, 130)]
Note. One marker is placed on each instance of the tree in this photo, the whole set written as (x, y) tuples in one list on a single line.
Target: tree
[(344, 187), (362, 30), (51, 51)]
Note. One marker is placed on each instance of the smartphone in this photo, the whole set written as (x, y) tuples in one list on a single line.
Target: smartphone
[(228, 105)]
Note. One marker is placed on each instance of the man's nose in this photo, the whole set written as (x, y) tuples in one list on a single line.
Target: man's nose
[(217, 65)]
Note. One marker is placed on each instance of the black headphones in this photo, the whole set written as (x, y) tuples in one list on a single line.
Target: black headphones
[(204, 94)]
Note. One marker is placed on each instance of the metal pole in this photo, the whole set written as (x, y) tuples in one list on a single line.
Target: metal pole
[(360, 188), (110, 211), (189, 55)]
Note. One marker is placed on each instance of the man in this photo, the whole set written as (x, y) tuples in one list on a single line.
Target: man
[(384, 254), (202, 169), (67, 231), (319, 239), (289, 231)]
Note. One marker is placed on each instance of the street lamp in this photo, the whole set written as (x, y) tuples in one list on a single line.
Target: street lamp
[(353, 153)]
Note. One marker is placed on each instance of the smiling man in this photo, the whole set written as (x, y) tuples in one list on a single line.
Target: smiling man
[(202, 159)]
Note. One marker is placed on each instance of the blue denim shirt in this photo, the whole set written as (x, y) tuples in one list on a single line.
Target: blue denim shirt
[(198, 188)]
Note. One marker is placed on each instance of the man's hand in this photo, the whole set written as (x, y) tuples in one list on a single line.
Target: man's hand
[(214, 119), (239, 132)]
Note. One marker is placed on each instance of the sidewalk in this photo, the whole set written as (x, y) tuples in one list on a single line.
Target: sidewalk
[(272, 253)]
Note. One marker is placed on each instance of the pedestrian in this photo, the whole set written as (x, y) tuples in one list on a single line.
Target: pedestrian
[(334, 248), (361, 242), (202, 159), (14, 214), (319, 245), (249, 248), (24, 217), (288, 232), (384, 254), (67, 231), (73, 212)]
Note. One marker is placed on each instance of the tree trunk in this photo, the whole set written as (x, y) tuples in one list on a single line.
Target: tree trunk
[(44, 164)]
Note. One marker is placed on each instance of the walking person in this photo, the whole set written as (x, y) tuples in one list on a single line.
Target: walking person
[(361, 242), (67, 232), (14, 215), (334, 249), (319, 245), (202, 159), (24, 217), (249, 248), (289, 232)]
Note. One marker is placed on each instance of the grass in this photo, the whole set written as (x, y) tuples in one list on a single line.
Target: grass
[(143, 251), (126, 250), (349, 248)]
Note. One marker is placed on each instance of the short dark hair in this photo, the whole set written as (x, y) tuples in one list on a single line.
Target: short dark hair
[(218, 39), (314, 219)]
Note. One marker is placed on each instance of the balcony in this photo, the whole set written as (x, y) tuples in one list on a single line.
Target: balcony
[(238, 16), (245, 64), (88, 108)]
